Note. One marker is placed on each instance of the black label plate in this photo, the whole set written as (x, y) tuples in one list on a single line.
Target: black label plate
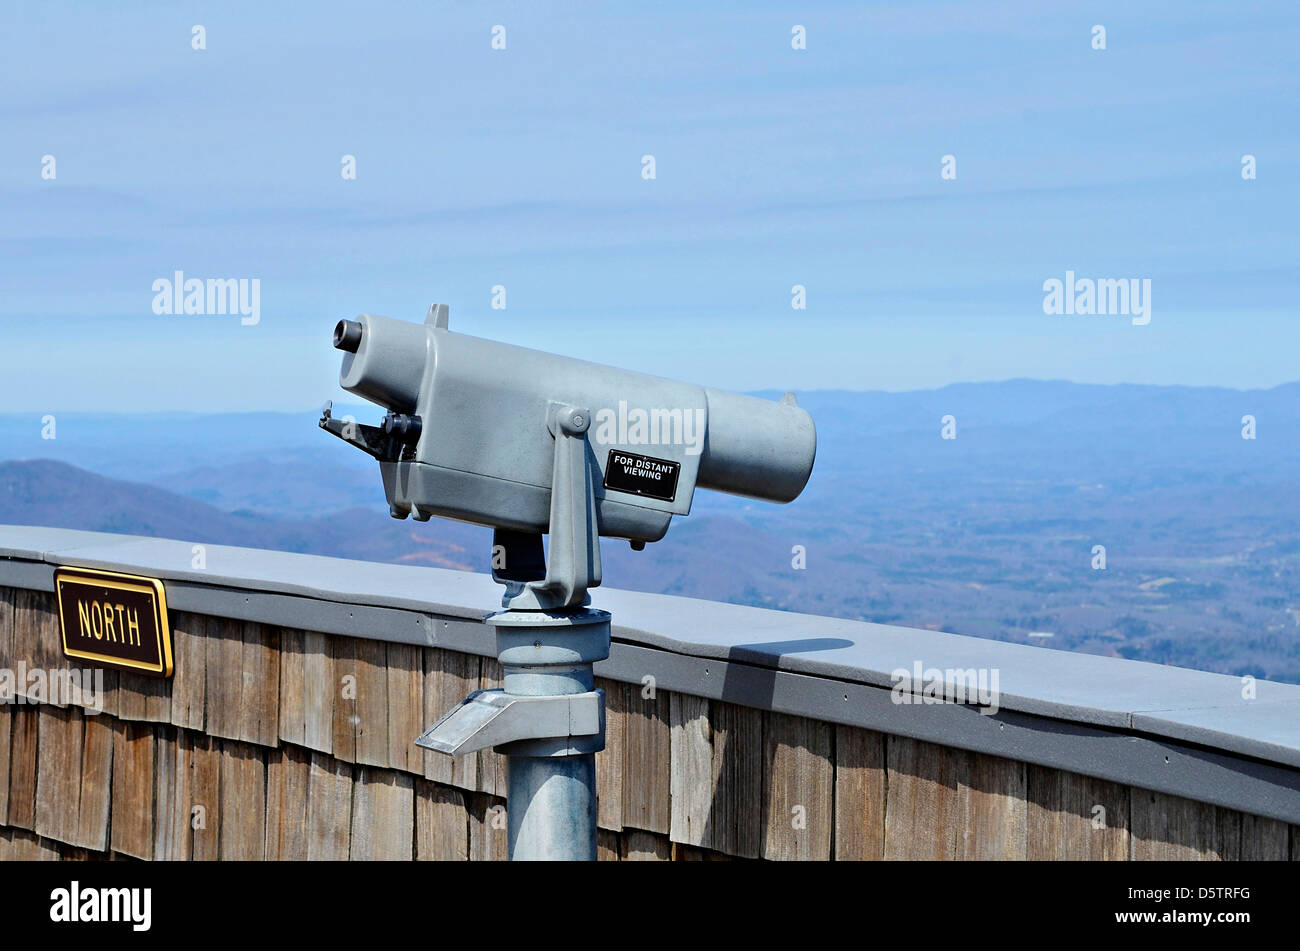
[(642, 475), (114, 619)]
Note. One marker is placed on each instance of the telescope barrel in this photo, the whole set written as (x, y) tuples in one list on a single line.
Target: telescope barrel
[(383, 360), (756, 448)]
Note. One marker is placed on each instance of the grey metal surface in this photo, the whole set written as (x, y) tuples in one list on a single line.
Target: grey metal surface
[(558, 820), (490, 450), (329, 579), (574, 562), (546, 659), (488, 718), (1265, 728), (758, 654)]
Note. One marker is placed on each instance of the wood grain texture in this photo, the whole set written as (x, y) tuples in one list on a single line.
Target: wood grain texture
[(144, 698), (7, 653), (449, 677), (691, 744), (174, 800), (199, 808), (383, 815), (37, 639), (223, 666), (242, 814), (361, 701), (735, 824), (924, 808), (647, 759), (96, 791), (329, 809), (1263, 840), (259, 695), (6, 746), (287, 778), (22, 767), (242, 682), (609, 846), (798, 788), (489, 837), (405, 707), (610, 760), (492, 776), (345, 718), (319, 691), (724, 742), (133, 789), (106, 685), (641, 846), (371, 667), (859, 794), (189, 660), (1170, 828), (74, 853), (1073, 817), (166, 779), (690, 853), (8, 658), (995, 826), (58, 773), (292, 704), (19, 845), (441, 823), (308, 690)]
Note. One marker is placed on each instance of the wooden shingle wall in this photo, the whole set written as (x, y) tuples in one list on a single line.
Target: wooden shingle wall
[(275, 743)]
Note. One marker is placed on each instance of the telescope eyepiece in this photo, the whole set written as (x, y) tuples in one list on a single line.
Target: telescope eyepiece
[(347, 335)]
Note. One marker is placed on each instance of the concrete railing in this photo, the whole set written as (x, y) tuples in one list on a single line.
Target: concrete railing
[(300, 683)]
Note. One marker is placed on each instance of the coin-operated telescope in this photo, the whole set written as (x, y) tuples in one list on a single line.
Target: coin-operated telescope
[(532, 443)]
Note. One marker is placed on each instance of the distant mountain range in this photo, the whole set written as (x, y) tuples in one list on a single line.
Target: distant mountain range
[(45, 492), (991, 533)]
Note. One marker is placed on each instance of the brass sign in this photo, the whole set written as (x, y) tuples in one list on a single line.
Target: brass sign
[(114, 619)]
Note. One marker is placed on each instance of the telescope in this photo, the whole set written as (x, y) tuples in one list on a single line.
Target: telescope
[(532, 444), (479, 431)]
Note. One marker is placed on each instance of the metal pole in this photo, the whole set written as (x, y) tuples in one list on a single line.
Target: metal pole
[(551, 801)]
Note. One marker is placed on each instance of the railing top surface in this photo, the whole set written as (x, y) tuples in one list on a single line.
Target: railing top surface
[(1193, 706)]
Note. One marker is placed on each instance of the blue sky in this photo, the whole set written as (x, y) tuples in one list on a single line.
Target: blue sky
[(522, 167)]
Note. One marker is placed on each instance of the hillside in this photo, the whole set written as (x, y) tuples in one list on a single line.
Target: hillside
[(43, 492)]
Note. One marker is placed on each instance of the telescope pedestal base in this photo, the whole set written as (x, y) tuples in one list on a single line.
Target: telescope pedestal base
[(551, 804), (551, 808)]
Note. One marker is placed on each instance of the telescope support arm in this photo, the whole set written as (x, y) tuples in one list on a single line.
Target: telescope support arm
[(517, 560)]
